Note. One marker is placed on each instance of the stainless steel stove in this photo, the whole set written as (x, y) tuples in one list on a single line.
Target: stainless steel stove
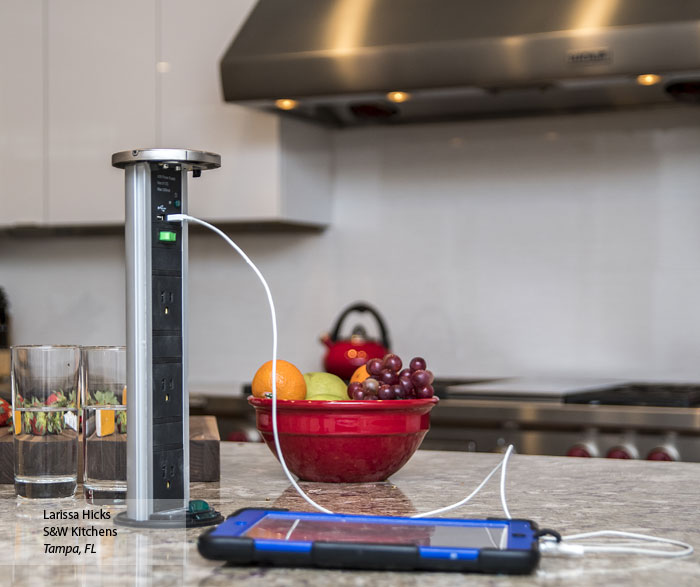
[(573, 417)]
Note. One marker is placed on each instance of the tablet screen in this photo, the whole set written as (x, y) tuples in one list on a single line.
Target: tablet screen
[(418, 533)]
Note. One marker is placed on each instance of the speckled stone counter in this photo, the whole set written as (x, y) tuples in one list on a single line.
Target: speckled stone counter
[(570, 495)]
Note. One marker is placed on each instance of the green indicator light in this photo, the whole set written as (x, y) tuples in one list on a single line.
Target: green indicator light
[(167, 236), (177, 203)]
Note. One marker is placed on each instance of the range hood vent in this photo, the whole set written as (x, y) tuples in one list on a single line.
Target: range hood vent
[(352, 62)]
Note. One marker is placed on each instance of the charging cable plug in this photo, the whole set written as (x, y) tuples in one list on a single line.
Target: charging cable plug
[(553, 548), (556, 545), (175, 217)]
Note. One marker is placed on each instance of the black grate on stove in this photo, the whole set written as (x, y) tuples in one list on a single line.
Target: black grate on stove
[(674, 395)]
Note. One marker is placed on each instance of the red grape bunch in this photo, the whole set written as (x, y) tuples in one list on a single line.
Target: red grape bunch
[(388, 381)]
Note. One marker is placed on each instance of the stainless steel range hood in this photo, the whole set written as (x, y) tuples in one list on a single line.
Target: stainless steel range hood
[(337, 62)]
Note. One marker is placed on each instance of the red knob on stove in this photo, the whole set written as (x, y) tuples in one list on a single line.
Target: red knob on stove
[(578, 450), (663, 453), (619, 452)]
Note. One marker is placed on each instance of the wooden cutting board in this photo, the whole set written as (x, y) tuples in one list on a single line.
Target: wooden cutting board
[(4, 363), (205, 464), (204, 451), (7, 456)]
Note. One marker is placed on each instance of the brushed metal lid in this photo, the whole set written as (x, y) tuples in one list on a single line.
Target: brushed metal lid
[(188, 158)]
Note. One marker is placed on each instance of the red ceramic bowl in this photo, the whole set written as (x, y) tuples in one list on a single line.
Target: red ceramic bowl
[(345, 441)]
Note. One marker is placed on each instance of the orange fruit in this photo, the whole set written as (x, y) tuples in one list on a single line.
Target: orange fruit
[(290, 381), (360, 374)]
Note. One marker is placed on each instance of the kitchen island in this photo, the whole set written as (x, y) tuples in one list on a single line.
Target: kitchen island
[(569, 495)]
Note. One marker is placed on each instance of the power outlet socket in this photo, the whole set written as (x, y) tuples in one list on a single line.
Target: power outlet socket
[(167, 303), (168, 477), (167, 390)]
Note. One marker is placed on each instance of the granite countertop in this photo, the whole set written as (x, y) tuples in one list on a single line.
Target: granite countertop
[(569, 495)]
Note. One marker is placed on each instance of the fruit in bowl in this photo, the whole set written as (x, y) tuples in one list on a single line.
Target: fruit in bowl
[(290, 382), (325, 386), (385, 379), (330, 432), (345, 441)]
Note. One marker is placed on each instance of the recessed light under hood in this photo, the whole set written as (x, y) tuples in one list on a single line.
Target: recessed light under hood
[(339, 61)]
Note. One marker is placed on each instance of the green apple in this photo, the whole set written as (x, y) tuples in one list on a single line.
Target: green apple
[(325, 384)]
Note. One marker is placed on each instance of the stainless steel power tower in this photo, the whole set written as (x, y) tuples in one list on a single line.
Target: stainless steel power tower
[(156, 338)]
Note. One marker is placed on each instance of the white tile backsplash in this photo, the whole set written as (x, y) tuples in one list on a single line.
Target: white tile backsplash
[(550, 244)]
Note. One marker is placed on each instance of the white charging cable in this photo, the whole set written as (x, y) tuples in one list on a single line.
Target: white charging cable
[(548, 544), (501, 465), (280, 456), (275, 433)]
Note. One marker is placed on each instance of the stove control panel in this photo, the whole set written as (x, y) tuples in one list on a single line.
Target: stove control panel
[(618, 442)]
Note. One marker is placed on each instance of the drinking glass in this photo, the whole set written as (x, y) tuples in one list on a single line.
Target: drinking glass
[(45, 407), (104, 424)]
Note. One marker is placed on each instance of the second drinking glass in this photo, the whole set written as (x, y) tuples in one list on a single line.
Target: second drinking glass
[(104, 424)]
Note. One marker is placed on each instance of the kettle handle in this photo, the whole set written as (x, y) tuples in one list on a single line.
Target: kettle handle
[(362, 307)]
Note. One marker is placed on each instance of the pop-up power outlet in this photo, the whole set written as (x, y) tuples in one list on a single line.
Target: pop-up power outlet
[(156, 276)]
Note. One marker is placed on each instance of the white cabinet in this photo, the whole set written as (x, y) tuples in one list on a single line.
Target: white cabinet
[(272, 170), (84, 79), (21, 112), (102, 99)]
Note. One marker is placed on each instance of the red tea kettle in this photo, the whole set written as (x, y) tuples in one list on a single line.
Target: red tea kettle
[(345, 356)]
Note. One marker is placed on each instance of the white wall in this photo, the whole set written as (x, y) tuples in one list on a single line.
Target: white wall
[(545, 244), (552, 244)]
